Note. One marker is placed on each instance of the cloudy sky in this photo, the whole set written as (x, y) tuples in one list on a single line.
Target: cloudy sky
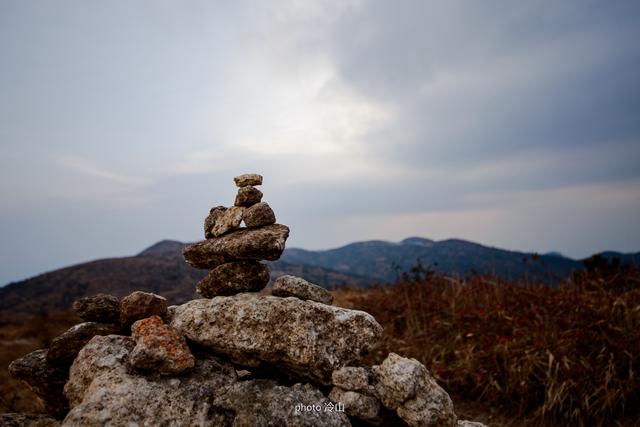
[(513, 124)]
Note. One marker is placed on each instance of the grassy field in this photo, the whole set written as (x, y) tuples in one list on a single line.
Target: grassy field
[(520, 354), (509, 354)]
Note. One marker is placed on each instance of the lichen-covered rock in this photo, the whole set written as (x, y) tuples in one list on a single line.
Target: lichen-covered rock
[(211, 219), (259, 215), (46, 380), (351, 378), (234, 277), (265, 403), (306, 338), (248, 196), (230, 220), (27, 420), (358, 405), (102, 391), (100, 308), (406, 386), (140, 305), (245, 244), (159, 348), (292, 286), (65, 348), (248, 179)]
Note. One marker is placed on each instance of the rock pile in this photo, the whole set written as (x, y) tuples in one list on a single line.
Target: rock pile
[(234, 357)]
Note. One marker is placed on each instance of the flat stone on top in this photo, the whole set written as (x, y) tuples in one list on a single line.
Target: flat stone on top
[(248, 179)]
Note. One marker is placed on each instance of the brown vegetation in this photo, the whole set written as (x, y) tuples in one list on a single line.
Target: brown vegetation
[(555, 356)]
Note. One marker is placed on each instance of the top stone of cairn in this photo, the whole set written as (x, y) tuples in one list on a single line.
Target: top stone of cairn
[(248, 179)]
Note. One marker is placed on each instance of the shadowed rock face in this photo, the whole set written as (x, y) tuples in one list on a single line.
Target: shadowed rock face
[(99, 308), (246, 244), (265, 403), (27, 420), (234, 277), (44, 379), (65, 348), (305, 338)]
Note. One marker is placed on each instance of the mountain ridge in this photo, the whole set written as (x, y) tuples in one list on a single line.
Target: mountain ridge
[(160, 268)]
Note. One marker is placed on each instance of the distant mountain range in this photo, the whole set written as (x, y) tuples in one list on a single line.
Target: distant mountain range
[(161, 269)]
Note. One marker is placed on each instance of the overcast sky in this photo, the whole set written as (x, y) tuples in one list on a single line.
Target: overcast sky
[(511, 123)]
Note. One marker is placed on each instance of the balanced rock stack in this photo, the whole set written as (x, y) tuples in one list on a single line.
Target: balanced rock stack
[(234, 357), (233, 253)]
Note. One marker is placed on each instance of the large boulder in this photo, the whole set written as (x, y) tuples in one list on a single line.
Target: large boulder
[(103, 391), (245, 244), (265, 403), (305, 338), (44, 379), (405, 385)]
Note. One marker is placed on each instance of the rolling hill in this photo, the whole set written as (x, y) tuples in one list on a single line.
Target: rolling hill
[(161, 269)]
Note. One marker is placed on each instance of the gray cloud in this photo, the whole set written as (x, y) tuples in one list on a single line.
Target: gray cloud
[(514, 124)]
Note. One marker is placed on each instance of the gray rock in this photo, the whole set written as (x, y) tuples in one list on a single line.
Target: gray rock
[(245, 244), (140, 305), (265, 403), (234, 277), (248, 179), (159, 348), (292, 286), (213, 217), (99, 308), (65, 348), (406, 386), (465, 423), (259, 215), (170, 310), (230, 220), (46, 381), (27, 420), (351, 378), (358, 405), (102, 391), (305, 338), (248, 196)]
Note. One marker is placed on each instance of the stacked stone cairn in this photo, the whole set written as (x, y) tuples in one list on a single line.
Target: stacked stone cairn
[(234, 357)]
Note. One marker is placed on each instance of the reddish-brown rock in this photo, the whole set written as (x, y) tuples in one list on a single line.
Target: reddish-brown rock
[(159, 348), (233, 278)]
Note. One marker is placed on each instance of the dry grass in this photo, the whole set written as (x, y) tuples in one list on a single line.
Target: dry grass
[(563, 356), (16, 340)]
